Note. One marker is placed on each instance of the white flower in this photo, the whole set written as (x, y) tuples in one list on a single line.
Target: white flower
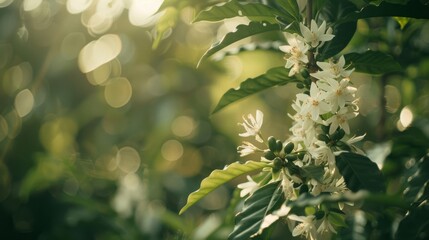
[(338, 93), (273, 217), (253, 126), (314, 103), (295, 53), (315, 35), (332, 70), (326, 226), (340, 119), (248, 187), (247, 148), (306, 226), (321, 153)]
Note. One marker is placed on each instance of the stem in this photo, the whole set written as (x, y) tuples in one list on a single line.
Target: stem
[(312, 67)]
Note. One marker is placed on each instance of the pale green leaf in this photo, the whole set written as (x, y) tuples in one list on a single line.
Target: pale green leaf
[(220, 177)]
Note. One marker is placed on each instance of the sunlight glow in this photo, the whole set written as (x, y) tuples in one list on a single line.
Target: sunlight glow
[(118, 92), (172, 150), (142, 12), (406, 117), (5, 3), (99, 52), (24, 102), (128, 159), (30, 5), (77, 6)]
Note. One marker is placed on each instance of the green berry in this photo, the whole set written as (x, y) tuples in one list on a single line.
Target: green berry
[(301, 155), (278, 164), (300, 85), (304, 73), (279, 145), (303, 189)]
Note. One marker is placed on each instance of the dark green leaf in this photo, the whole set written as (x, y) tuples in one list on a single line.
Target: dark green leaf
[(359, 172), (253, 11), (356, 227), (242, 31), (372, 62), (418, 183), (273, 77), (220, 177), (332, 12), (415, 225), (261, 203), (272, 46), (412, 9), (315, 172)]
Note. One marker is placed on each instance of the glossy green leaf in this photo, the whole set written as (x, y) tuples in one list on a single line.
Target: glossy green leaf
[(415, 224), (220, 177), (332, 12), (261, 203), (253, 11), (242, 31), (417, 189), (373, 62), (359, 172), (273, 77)]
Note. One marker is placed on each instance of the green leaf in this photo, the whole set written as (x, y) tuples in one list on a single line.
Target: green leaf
[(417, 189), (315, 172), (253, 11), (356, 223), (373, 62), (360, 172), (261, 203), (220, 177), (332, 12), (242, 31), (337, 219), (273, 77), (272, 46), (412, 9), (289, 10), (415, 225)]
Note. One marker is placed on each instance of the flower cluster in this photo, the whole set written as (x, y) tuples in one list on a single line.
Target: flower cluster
[(320, 131)]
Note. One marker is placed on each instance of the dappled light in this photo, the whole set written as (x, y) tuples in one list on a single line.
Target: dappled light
[(123, 119)]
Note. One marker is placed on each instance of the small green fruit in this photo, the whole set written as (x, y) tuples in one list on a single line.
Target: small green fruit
[(289, 147), (270, 155)]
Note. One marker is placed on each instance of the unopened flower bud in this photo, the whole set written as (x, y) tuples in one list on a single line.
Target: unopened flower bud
[(279, 145), (301, 155), (300, 85), (272, 144), (303, 189), (338, 135), (291, 157), (319, 214), (323, 137), (270, 155), (278, 164), (304, 73), (289, 147)]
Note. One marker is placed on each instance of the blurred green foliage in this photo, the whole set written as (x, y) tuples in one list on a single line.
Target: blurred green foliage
[(108, 144)]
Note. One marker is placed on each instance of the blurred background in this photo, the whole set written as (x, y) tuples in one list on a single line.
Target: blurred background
[(106, 125)]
